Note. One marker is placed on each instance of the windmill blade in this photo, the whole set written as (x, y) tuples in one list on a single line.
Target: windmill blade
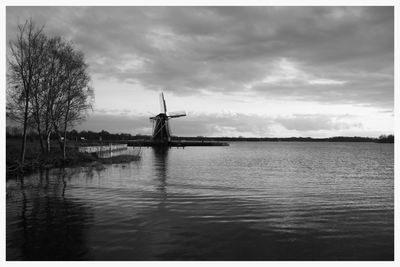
[(176, 114), (163, 106)]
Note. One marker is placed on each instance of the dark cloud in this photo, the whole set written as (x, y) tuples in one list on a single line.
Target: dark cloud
[(235, 49)]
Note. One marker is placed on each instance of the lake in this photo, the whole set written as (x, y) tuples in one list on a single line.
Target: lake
[(248, 201)]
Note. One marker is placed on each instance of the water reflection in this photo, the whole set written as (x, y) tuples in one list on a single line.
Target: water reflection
[(160, 155), (54, 226)]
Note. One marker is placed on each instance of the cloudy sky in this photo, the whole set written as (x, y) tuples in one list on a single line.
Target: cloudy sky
[(237, 71)]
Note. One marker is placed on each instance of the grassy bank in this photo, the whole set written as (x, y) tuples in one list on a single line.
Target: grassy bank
[(35, 159)]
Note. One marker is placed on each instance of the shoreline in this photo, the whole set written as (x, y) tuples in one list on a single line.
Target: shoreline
[(54, 160)]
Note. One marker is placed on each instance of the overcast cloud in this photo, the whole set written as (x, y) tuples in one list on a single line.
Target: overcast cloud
[(329, 55)]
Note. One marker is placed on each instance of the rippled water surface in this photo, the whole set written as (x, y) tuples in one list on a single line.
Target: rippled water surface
[(248, 201)]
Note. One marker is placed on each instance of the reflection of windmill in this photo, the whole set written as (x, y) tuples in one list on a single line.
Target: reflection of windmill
[(161, 131)]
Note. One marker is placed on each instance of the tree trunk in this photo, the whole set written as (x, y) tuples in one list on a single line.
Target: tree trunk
[(66, 123), (60, 143), (22, 158), (65, 144), (48, 142), (41, 140), (38, 121), (47, 129)]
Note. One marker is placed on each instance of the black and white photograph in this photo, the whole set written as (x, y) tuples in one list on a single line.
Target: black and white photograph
[(230, 132)]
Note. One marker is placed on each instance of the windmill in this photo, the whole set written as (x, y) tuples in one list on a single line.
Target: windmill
[(161, 132)]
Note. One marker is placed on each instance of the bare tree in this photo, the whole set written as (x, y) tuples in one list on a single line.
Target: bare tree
[(38, 92), (51, 88), (48, 85), (25, 67), (77, 95)]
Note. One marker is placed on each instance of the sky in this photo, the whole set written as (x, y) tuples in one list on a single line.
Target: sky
[(236, 71)]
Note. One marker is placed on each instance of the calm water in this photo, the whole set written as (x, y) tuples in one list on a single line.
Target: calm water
[(248, 201)]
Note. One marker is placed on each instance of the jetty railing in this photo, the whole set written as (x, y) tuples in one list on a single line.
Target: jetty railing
[(102, 148)]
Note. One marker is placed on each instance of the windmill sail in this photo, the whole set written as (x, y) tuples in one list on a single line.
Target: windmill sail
[(176, 114), (163, 106), (161, 132)]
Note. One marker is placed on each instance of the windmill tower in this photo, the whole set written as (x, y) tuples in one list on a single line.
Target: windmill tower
[(161, 132)]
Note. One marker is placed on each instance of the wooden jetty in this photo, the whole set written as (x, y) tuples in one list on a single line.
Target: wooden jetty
[(102, 148)]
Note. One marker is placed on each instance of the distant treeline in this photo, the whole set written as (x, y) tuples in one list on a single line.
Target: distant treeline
[(386, 139), (381, 139), (13, 132)]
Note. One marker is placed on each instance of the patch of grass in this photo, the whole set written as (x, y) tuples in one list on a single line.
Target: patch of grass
[(35, 159)]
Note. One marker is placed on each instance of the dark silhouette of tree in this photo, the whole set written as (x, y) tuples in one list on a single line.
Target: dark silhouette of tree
[(386, 138), (25, 71), (48, 85), (75, 94)]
